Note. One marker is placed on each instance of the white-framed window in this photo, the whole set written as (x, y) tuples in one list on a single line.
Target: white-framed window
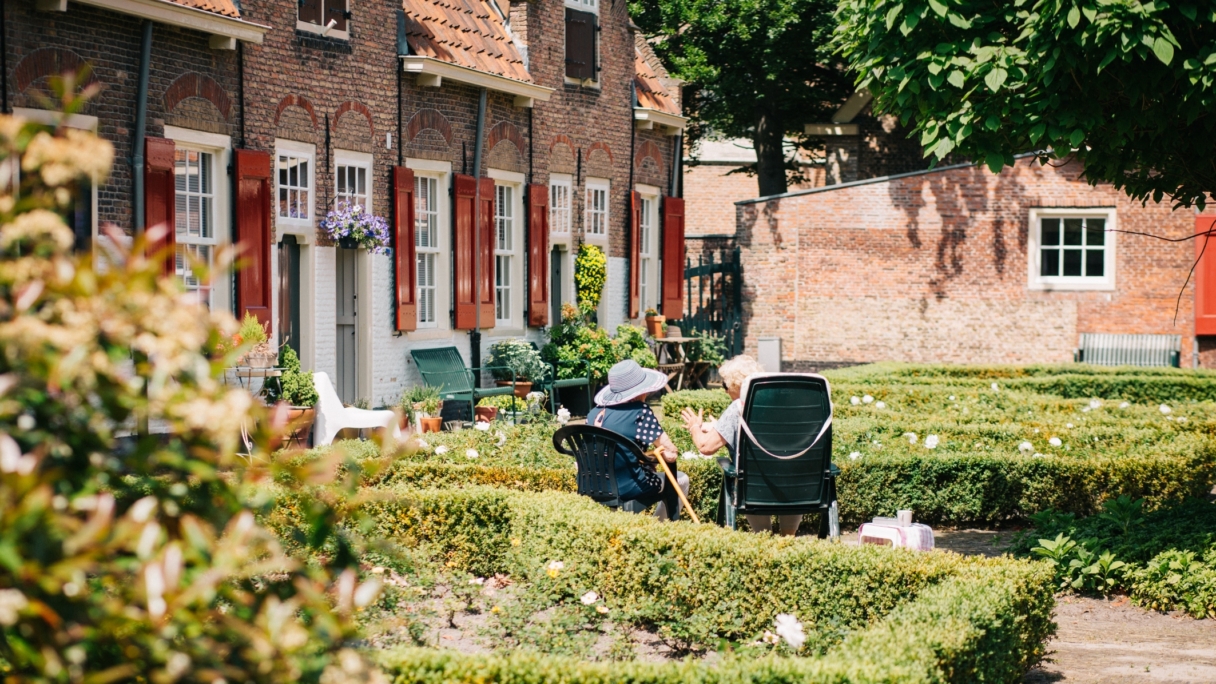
[(504, 251), (352, 176), (426, 245), (81, 216), (294, 182), (648, 277), (595, 225), (201, 213), (1072, 249), (559, 204), (584, 5)]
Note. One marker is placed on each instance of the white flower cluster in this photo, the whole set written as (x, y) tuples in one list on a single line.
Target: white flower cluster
[(787, 627), (563, 415)]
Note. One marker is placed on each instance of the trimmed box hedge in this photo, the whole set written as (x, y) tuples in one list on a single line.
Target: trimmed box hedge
[(892, 614)]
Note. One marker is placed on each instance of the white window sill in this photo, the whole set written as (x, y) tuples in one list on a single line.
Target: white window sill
[(595, 239), (1079, 285), (309, 27), (560, 239), (305, 233), (423, 334), (584, 83)]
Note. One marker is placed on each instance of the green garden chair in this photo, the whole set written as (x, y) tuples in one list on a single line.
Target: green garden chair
[(443, 367), (783, 464), (551, 384)]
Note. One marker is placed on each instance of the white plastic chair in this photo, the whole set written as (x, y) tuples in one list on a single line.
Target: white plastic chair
[(332, 416)]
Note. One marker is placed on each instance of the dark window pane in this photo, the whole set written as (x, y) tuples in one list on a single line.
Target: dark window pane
[(1072, 231), (1050, 263), (1095, 232), (1072, 262), (1051, 231), (1095, 262)]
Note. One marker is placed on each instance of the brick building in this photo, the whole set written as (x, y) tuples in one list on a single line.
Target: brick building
[(960, 265), (261, 120)]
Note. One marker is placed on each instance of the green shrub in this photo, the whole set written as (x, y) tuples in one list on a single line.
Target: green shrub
[(890, 611), (515, 359), (712, 401), (590, 274), (295, 387)]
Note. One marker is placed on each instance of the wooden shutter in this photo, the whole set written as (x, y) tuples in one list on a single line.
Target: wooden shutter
[(462, 251), (310, 11), (404, 249), (673, 258), (538, 255), (635, 253), (580, 44), (160, 201), (486, 226), (336, 10), (1205, 277), (253, 234)]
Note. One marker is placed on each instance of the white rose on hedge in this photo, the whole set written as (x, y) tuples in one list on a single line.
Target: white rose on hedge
[(1165, 410), (931, 442), (563, 415), (1025, 447), (867, 399), (441, 449), (589, 598), (880, 405), (482, 425), (1055, 442), (787, 627), (911, 437), (470, 453)]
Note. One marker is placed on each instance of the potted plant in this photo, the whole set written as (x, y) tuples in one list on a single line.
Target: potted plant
[(261, 354), (296, 389), (516, 361), (352, 226), (425, 407), (655, 323)]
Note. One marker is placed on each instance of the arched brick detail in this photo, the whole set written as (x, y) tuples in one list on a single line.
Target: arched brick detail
[(296, 101), (601, 146), (561, 139), (428, 118), (48, 61), (353, 106), (648, 149), (191, 84), (505, 130)]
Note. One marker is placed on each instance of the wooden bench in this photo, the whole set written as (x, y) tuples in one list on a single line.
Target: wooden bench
[(1106, 349)]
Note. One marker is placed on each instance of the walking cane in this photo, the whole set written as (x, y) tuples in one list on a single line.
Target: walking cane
[(658, 454)]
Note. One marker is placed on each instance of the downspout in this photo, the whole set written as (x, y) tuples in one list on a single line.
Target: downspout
[(141, 117), (4, 53), (629, 246), (475, 333), (677, 159)]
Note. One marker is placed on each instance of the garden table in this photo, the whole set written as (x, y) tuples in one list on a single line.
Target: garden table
[(672, 355)]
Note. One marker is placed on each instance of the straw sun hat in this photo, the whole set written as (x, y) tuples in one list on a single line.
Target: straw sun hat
[(626, 381)]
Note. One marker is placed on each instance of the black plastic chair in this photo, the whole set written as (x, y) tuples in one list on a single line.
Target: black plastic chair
[(783, 464), (595, 450)]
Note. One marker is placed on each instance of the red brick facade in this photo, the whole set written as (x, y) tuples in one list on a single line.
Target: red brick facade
[(934, 266)]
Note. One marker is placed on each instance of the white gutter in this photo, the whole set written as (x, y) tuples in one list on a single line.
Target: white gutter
[(647, 118), (431, 72), (224, 30)]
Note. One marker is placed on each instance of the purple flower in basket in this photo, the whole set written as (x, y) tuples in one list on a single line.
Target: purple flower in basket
[(353, 222)]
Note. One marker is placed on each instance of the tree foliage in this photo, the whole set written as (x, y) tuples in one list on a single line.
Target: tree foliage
[(1127, 88), (756, 69)]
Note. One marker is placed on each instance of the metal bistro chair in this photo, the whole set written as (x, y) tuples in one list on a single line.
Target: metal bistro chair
[(444, 368), (783, 464), (597, 452)]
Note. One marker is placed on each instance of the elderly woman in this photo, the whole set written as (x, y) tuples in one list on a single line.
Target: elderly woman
[(723, 433), (621, 407)]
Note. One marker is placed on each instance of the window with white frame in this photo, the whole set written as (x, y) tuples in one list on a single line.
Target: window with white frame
[(646, 279), (504, 251), (1072, 249), (194, 195), (559, 204), (596, 223), (584, 5), (350, 181), (295, 184), (426, 244)]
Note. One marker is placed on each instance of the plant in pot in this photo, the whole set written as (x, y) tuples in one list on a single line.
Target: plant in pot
[(260, 354), (351, 226), (296, 389), (518, 361), (425, 406), (656, 323)]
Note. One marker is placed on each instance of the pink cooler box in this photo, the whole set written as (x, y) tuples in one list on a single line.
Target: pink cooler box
[(915, 536)]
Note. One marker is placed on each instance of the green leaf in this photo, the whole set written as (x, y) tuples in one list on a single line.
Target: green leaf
[(959, 21), (934, 68), (1090, 13), (910, 22), (1037, 132), (939, 7), (996, 78), (1077, 137), (893, 14), (1074, 17), (956, 78), (1110, 57), (1163, 50), (995, 161), (1188, 11), (936, 80)]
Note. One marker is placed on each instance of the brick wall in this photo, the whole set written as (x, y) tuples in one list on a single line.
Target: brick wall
[(933, 267)]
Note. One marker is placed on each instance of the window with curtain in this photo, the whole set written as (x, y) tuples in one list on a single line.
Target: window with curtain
[(504, 250), (426, 243), (194, 197)]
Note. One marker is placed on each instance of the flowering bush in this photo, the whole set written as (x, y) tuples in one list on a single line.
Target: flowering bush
[(515, 359), (590, 274), (353, 222)]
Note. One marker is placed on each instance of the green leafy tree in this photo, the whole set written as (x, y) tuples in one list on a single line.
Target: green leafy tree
[(757, 69), (1126, 88)]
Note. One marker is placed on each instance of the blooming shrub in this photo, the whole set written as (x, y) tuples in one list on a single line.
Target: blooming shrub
[(353, 222), (590, 274)]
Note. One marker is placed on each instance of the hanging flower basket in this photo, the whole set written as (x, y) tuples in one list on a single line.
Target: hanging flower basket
[(352, 227)]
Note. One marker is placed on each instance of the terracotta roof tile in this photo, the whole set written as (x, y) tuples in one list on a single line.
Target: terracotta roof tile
[(651, 93), (467, 33), (224, 7)]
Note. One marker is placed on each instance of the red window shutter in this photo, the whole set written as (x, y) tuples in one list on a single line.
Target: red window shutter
[(335, 10), (673, 258), (487, 252), (538, 255), (310, 11), (253, 234), (580, 44), (160, 201), (635, 253), (404, 249), (462, 250), (1205, 277)]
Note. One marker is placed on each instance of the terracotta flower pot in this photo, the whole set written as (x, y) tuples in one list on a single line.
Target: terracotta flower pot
[(485, 414), (655, 325), (299, 425), (521, 388), (261, 359), (430, 424)]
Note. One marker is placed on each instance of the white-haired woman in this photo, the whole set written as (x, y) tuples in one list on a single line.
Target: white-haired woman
[(723, 433)]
